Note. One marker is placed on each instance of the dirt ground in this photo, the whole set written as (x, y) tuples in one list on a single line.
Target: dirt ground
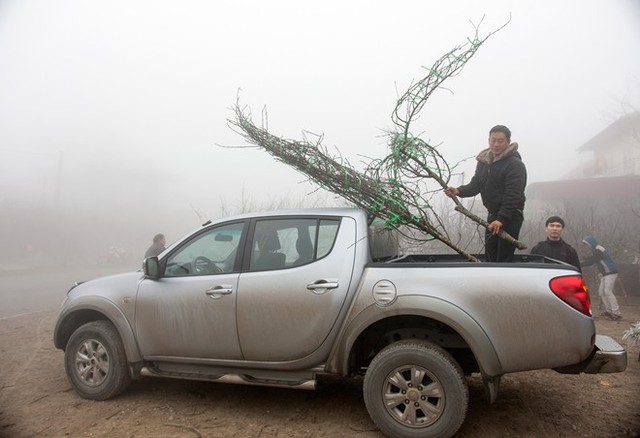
[(36, 400)]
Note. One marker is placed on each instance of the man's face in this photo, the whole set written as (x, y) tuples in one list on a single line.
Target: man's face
[(498, 142), (554, 230)]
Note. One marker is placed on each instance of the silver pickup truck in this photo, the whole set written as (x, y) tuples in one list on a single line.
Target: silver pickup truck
[(279, 298)]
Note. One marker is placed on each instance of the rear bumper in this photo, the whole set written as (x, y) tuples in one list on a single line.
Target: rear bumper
[(610, 357), (607, 357)]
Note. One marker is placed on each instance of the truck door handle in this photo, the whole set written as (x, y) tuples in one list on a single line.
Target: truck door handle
[(321, 286), (216, 292)]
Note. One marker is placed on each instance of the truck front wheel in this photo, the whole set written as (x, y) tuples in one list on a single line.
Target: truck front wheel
[(96, 362), (416, 389)]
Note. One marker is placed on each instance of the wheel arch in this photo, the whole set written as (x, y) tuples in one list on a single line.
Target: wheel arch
[(414, 317), (98, 309)]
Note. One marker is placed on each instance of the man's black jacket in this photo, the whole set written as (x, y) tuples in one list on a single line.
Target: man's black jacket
[(500, 183), (559, 250)]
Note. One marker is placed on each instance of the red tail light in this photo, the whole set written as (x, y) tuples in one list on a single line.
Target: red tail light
[(573, 291)]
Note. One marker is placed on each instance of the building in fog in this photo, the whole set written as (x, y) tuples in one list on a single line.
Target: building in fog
[(609, 174), (615, 151), (601, 196)]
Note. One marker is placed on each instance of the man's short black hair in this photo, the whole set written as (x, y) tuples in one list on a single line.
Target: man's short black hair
[(501, 128), (158, 237), (553, 219)]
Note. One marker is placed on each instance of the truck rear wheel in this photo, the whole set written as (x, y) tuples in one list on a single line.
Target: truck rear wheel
[(416, 389)]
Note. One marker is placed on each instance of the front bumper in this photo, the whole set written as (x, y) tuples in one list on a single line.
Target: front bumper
[(607, 357)]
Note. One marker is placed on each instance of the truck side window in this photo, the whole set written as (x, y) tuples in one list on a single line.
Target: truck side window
[(285, 243), (212, 252), (327, 236)]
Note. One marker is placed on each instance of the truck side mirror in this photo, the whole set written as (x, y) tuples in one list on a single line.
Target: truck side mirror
[(151, 267)]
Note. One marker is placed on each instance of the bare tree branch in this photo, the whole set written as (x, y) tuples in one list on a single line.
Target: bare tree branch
[(397, 187)]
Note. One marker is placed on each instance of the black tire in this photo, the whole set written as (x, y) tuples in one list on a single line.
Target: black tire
[(96, 362), (416, 389)]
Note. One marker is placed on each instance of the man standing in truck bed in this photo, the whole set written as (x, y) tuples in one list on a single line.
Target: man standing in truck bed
[(500, 178)]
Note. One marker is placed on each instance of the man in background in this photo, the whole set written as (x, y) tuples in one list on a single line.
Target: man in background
[(157, 246), (609, 274), (554, 247)]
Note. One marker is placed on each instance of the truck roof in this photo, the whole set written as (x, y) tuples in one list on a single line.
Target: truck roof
[(322, 211)]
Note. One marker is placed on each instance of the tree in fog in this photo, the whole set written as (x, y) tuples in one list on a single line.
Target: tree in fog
[(400, 188)]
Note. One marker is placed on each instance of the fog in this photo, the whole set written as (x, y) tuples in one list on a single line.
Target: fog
[(113, 115)]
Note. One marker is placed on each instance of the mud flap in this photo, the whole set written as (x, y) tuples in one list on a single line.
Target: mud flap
[(491, 386)]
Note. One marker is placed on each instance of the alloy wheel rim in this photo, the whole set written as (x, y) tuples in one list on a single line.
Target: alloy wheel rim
[(92, 362), (413, 396)]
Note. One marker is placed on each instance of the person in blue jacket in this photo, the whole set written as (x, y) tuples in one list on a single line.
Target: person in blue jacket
[(609, 271)]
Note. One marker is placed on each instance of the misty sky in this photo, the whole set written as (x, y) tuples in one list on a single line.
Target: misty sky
[(109, 104)]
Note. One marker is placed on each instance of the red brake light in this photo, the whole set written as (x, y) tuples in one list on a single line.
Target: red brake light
[(573, 291)]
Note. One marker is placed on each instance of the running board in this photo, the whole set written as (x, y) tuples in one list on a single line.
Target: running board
[(236, 379)]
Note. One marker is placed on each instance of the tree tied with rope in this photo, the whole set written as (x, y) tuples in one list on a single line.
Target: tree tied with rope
[(398, 188)]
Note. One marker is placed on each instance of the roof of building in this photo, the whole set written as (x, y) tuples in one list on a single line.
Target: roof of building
[(627, 186), (611, 133)]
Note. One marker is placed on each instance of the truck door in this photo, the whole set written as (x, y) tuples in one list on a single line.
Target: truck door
[(295, 279), (191, 310)]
